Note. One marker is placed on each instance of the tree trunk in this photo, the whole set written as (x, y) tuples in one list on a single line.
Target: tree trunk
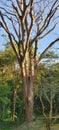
[(28, 98), (14, 103), (28, 92), (48, 124)]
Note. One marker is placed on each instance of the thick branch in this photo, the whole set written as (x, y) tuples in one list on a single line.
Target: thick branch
[(10, 35), (31, 25), (16, 9), (14, 48), (44, 52), (35, 49)]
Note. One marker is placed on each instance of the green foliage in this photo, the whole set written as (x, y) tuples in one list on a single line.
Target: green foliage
[(20, 108), (47, 80), (4, 99), (51, 55), (47, 83)]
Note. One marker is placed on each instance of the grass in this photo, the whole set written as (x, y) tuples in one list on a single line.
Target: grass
[(34, 125), (6, 125), (55, 127)]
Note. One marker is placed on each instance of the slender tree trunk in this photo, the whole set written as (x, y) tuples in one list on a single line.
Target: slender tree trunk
[(14, 103), (48, 121), (48, 124)]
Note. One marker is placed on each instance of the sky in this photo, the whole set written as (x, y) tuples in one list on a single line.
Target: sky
[(42, 43)]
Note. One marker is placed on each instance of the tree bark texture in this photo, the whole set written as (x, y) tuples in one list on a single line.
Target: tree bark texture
[(28, 86)]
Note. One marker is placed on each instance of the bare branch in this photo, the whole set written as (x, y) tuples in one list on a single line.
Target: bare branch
[(21, 11), (44, 52), (14, 48), (1, 25), (14, 27), (19, 5), (46, 21), (6, 27), (48, 31), (31, 25), (8, 12), (10, 35), (16, 9)]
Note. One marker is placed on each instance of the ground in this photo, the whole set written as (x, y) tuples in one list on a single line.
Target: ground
[(34, 125)]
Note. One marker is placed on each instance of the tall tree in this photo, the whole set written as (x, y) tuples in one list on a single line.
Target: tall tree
[(25, 23)]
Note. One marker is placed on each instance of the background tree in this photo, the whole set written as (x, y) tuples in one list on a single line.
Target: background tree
[(50, 58), (19, 18), (49, 92), (46, 98), (9, 82)]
